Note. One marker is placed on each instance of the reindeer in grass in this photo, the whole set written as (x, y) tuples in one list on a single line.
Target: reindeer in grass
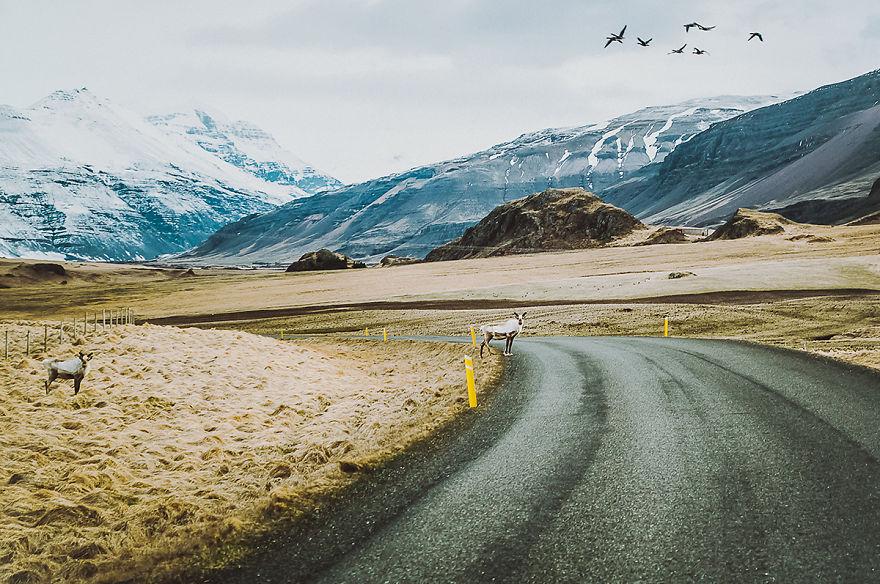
[(75, 369), (506, 331)]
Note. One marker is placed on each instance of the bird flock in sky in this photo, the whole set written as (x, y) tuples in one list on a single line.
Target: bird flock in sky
[(619, 38)]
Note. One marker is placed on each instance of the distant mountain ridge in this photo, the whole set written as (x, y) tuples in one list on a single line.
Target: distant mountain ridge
[(81, 178), (413, 212)]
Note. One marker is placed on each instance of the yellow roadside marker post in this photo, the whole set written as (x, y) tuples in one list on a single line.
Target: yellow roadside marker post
[(473, 338), (366, 332), (471, 386), (666, 327), (282, 334), (385, 335)]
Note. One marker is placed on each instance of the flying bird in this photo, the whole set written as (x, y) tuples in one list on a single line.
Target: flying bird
[(645, 43), (688, 27), (700, 51), (756, 35), (616, 38), (678, 51)]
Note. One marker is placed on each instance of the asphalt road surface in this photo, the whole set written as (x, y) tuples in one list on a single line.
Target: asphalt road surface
[(620, 460)]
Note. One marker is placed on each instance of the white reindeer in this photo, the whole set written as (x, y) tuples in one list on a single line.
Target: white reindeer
[(506, 331), (75, 369)]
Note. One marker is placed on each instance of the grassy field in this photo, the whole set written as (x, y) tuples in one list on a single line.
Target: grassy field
[(184, 443), (841, 326)]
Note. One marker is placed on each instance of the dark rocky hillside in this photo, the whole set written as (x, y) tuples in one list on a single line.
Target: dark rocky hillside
[(834, 211), (822, 146), (324, 259), (556, 219), (750, 223)]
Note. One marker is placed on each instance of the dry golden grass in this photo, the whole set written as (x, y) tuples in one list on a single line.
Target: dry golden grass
[(183, 439), (844, 327)]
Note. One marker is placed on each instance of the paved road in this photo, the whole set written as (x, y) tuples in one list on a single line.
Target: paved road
[(621, 460)]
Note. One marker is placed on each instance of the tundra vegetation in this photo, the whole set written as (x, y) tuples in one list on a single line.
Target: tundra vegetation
[(184, 443)]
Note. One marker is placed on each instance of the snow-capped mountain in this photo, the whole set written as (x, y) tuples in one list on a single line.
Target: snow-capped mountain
[(246, 146), (83, 178), (413, 212), (813, 158)]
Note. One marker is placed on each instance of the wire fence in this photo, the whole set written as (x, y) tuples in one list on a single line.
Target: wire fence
[(37, 339)]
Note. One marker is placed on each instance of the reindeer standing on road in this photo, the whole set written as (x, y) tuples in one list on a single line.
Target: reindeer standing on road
[(506, 331)]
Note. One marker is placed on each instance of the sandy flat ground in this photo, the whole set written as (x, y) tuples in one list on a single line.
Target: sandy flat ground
[(849, 260), (183, 438)]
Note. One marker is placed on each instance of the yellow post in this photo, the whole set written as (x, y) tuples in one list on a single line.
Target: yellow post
[(666, 327), (366, 332), (473, 337), (385, 335), (471, 386), (282, 334)]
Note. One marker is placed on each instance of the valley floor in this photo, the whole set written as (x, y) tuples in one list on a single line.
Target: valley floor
[(834, 258), (187, 435), (813, 287)]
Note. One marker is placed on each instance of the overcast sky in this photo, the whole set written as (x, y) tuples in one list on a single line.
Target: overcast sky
[(361, 88)]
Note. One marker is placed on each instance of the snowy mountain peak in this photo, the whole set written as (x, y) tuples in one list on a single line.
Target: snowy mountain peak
[(65, 98), (245, 146), (81, 177)]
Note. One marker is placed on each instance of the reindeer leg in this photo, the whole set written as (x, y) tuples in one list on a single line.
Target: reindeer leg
[(52, 376), (76, 382)]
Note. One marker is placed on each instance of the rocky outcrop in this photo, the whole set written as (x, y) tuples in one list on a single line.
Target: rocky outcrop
[(666, 235), (324, 259), (390, 261), (556, 219), (750, 223)]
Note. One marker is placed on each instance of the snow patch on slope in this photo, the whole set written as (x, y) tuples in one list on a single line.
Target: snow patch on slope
[(651, 138)]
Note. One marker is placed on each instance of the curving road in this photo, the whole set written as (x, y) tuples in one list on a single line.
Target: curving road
[(620, 460)]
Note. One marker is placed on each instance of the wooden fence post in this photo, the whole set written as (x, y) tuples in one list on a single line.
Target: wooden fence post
[(27, 343), (6, 350), (45, 338), (61, 332), (103, 319)]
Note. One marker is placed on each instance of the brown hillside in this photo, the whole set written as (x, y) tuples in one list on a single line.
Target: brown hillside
[(556, 219), (751, 223)]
